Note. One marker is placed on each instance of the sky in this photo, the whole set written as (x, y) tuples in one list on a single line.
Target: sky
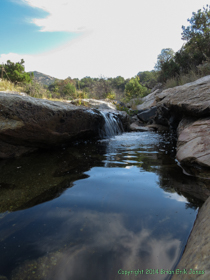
[(96, 38)]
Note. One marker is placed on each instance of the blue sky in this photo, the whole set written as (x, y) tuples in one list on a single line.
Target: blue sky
[(79, 38), (21, 36)]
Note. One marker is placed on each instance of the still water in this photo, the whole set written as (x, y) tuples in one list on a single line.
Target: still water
[(95, 211)]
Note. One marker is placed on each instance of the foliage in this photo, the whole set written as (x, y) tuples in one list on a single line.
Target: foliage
[(69, 90), (65, 89), (134, 89), (192, 60), (111, 95), (127, 110), (164, 57), (36, 90), (197, 34), (168, 69), (101, 87), (15, 72), (148, 78)]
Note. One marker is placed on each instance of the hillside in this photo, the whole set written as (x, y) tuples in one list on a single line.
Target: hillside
[(43, 79)]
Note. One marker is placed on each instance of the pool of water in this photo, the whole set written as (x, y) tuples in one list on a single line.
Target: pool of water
[(95, 211)]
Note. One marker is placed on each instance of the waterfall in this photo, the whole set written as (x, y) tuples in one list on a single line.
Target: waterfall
[(112, 126)]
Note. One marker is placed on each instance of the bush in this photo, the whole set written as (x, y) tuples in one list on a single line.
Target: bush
[(111, 95), (36, 90), (134, 89), (15, 72)]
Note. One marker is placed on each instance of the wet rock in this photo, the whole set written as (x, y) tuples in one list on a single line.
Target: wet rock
[(124, 119), (195, 259), (158, 127), (134, 119), (147, 115), (136, 127), (27, 123)]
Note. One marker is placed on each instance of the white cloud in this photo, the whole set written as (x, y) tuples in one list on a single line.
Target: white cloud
[(105, 234), (117, 37), (176, 197)]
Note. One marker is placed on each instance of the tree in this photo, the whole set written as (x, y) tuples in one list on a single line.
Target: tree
[(15, 72), (197, 34), (148, 78), (164, 56), (119, 83), (70, 90), (134, 89), (169, 70)]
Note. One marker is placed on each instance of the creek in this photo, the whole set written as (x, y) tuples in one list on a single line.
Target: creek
[(95, 210)]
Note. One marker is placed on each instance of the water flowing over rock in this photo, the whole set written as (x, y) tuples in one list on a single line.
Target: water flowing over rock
[(112, 126)]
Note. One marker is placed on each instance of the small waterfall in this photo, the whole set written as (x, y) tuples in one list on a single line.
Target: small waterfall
[(112, 126)]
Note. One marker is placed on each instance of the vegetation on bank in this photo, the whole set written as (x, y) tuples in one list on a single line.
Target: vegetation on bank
[(191, 62)]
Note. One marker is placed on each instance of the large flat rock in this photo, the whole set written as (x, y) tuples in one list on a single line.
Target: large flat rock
[(191, 99), (195, 263), (27, 123)]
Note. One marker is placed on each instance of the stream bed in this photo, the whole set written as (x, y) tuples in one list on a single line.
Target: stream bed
[(97, 210)]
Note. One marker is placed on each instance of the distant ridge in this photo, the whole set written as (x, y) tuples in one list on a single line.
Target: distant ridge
[(43, 78)]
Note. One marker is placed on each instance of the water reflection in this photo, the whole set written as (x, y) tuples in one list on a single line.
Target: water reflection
[(88, 211), (105, 245)]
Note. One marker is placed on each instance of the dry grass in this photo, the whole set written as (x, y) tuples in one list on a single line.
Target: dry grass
[(182, 79), (6, 85), (200, 71)]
